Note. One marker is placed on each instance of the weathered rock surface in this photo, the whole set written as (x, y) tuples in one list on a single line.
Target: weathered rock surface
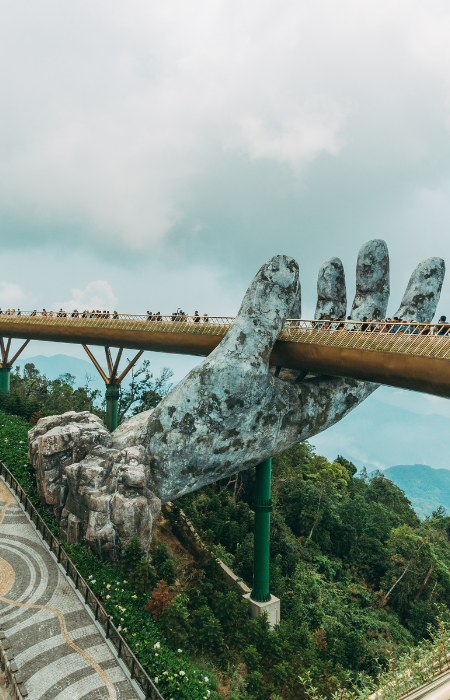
[(423, 291), (228, 414), (57, 442), (372, 281), (331, 290), (98, 493)]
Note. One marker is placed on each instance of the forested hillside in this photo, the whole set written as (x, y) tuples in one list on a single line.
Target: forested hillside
[(426, 488), (358, 575)]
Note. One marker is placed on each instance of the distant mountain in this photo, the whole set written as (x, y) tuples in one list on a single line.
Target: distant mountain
[(378, 435), (425, 487)]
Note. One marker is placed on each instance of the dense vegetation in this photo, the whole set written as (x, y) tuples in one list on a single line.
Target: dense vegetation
[(358, 574), (33, 395)]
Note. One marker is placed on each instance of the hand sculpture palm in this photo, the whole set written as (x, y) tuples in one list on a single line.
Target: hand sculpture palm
[(228, 414), (231, 412)]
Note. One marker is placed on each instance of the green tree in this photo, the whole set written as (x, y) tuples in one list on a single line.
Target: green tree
[(144, 390)]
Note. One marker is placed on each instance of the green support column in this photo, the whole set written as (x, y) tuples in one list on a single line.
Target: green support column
[(112, 406), (4, 379), (262, 504)]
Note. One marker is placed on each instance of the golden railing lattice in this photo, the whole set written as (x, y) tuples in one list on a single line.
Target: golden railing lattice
[(424, 340)]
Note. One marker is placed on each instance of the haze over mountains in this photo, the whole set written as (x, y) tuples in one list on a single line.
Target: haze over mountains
[(378, 435)]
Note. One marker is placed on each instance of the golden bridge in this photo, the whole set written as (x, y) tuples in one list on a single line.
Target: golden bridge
[(410, 356)]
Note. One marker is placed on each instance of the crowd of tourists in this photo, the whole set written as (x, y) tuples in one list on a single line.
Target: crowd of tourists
[(374, 325), (387, 325), (178, 315)]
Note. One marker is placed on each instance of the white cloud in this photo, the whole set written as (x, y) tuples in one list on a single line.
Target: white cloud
[(297, 140), (96, 295), (105, 129), (11, 295)]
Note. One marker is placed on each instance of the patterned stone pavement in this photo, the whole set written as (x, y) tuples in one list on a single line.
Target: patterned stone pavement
[(59, 651)]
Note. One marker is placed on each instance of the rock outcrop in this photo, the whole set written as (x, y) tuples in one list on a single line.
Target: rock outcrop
[(98, 493)]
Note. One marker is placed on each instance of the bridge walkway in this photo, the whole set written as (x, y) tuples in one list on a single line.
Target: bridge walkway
[(409, 356), (49, 636)]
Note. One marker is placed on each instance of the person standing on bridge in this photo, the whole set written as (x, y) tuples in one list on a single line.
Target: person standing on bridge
[(196, 317), (349, 326), (442, 326)]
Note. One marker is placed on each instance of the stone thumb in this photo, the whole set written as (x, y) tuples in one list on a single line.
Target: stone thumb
[(264, 309)]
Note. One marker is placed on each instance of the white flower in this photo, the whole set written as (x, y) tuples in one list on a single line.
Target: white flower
[(108, 585), (90, 576), (206, 679), (122, 619), (182, 673), (208, 693), (94, 580), (165, 673), (108, 596), (156, 679), (180, 651), (157, 645), (119, 629)]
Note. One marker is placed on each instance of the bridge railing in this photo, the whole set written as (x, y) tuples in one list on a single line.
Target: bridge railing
[(111, 632), (425, 339), (175, 323)]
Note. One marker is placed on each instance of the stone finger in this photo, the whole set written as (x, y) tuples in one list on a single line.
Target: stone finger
[(331, 291), (372, 281), (264, 309), (423, 291)]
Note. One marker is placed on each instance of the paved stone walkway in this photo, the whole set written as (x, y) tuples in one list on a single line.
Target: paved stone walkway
[(56, 644)]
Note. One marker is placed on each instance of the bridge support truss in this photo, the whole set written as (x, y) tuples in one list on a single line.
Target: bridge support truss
[(6, 364), (112, 381)]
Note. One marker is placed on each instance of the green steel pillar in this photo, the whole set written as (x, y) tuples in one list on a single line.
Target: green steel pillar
[(262, 504), (112, 405), (4, 379)]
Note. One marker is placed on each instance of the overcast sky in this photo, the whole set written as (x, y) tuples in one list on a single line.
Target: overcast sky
[(155, 154)]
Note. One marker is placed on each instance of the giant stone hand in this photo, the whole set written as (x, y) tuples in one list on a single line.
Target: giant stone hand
[(229, 413)]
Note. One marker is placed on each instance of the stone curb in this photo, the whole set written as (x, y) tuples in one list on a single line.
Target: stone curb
[(14, 677)]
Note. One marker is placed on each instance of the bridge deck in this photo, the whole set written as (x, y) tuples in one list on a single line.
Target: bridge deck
[(404, 355)]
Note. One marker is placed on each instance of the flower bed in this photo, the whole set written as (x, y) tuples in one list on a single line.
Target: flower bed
[(174, 675)]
